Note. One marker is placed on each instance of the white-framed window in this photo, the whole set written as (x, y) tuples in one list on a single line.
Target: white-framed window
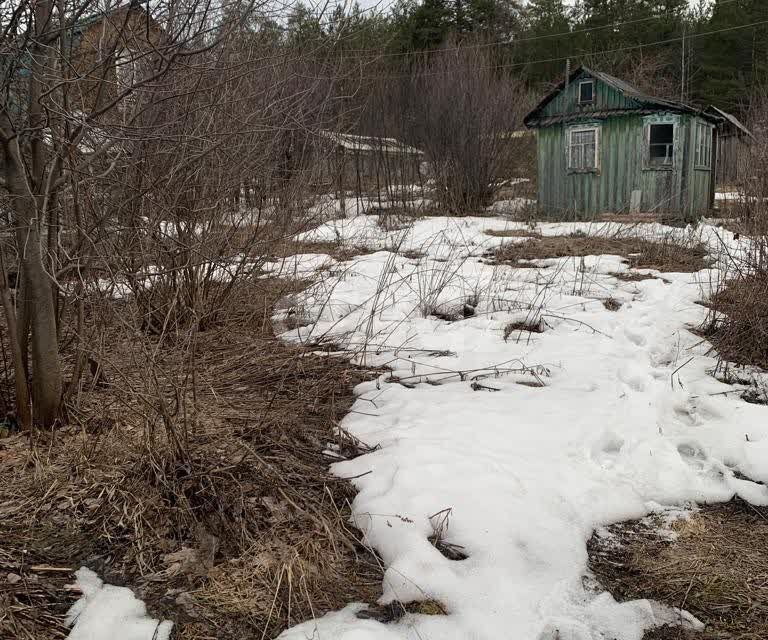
[(584, 148), (703, 145), (661, 144), (586, 92)]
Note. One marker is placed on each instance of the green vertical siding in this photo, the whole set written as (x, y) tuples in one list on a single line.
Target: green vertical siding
[(605, 97), (681, 189)]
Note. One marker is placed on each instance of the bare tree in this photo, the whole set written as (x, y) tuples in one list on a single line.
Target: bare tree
[(465, 117), (71, 72)]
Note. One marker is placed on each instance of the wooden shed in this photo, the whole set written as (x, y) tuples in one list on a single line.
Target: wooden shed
[(603, 146), (110, 51), (363, 163), (732, 148)]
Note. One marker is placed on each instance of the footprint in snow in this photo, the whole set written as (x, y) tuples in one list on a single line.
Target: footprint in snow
[(635, 336)]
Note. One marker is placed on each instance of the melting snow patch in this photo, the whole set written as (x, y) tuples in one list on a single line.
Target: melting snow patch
[(629, 420), (107, 612)]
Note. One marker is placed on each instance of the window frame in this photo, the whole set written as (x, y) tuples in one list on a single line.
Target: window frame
[(699, 161), (648, 128), (581, 84), (594, 128)]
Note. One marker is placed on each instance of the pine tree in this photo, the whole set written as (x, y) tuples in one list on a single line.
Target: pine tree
[(427, 25), (545, 36), (731, 64), (303, 26), (634, 39)]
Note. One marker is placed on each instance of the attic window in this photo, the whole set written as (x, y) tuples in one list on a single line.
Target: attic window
[(586, 92), (661, 145)]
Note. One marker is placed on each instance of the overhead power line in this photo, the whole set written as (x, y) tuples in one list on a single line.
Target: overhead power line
[(635, 47), (498, 43)]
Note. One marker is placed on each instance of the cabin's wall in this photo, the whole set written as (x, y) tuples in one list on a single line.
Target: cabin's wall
[(122, 29), (567, 193), (623, 168), (563, 192)]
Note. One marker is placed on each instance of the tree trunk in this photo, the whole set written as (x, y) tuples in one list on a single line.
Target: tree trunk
[(30, 198), (46, 368), (38, 295), (22, 320), (19, 373)]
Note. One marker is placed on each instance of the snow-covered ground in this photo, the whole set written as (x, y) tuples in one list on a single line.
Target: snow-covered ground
[(518, 449), (107, 612)]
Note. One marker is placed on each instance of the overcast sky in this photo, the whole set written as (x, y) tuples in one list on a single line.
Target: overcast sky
[(383, 4)]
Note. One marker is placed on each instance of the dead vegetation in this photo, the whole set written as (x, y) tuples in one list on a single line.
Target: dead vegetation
[(522, 329), (665, 255), (440, 522), (716, 567), (395, 610), (243, 535), (634, 276), (512, 233), (737, 324)]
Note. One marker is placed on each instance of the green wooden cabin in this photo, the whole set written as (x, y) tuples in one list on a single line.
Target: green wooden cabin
[(606, 147)]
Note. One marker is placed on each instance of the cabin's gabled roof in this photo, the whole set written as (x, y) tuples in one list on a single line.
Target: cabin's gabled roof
[(730, 119), (642, 103)]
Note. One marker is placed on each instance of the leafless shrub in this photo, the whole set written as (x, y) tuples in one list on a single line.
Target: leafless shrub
[(468, 122), (184, 424), (737, 324)]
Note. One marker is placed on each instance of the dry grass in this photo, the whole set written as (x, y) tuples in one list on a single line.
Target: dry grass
[(631, 218), (243, 535), (633, 276), (412, 254), (641, 253), (511, 233), (737, 325), (518, 330), (717, 569)]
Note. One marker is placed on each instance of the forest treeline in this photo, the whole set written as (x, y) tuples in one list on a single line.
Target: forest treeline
[(711, 52)]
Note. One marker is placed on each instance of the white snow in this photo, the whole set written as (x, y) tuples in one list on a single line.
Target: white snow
[(107, 612), (626, 419)]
